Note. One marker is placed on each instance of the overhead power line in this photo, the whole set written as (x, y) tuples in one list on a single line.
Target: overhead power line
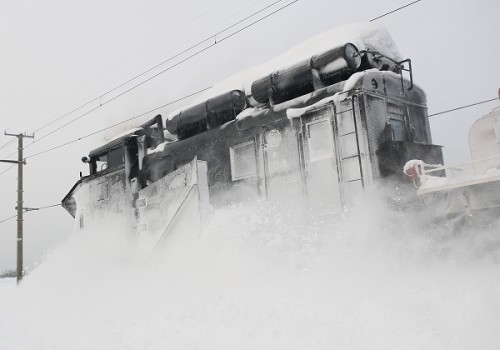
[(6, 144), (213, 26), (26, 210), (49, 206), (119, 123), (214, 43), (171, 58), (3, 172), (161, 38), (462, 107), (114, 65), (395, 10), (9, 218), (214, 36), (168, 68)]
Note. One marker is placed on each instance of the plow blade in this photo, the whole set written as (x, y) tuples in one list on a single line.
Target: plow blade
[(176, 204)]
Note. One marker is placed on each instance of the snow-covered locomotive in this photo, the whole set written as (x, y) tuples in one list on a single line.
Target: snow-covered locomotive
[(321, 127)]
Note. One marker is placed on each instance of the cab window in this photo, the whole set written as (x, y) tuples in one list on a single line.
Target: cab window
[(243, 161), (110, 160)]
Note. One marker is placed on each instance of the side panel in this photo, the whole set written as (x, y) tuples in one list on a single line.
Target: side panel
[(162, 202), (282, 171), (321, 161), (102, 202)]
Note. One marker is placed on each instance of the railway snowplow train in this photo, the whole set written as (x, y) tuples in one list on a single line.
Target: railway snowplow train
[(321, 123), (471, 192)]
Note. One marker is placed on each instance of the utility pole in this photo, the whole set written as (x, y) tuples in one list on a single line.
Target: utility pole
[(20, 162)]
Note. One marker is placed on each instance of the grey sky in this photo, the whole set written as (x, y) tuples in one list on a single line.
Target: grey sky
[(77, 50)]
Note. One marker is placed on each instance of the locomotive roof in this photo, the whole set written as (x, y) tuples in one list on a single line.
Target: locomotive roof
[(364, 35), (115, 142), (254, 116)]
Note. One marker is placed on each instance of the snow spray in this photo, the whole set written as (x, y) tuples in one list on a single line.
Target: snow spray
[(267, 276)]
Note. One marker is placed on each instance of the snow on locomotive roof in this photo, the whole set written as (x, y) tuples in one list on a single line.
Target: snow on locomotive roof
[(113, 142), (125, 133), (364, 35)]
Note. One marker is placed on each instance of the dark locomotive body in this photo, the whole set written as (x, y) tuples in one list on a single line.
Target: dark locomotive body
[(323, 146)]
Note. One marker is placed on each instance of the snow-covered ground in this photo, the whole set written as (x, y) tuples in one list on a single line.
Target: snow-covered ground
[(264, 276), (7, 286)]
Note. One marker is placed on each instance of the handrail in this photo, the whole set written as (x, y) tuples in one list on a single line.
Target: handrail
[(458, 166)]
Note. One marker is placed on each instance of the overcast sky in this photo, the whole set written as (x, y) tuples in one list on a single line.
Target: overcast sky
[(57, 55)]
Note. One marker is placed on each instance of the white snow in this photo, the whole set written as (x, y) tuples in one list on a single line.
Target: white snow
[(497, 131), (298, 112), (158, 149), (249, 112), (333, 66), (493, 172), (7, 286), (125, 133), (433, 181), (457, 175), (411, 163), (484, 141), (353, 79), (265, 276)]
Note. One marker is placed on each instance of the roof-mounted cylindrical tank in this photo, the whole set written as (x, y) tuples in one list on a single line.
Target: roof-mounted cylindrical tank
[(320, 70), (207, 115)]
